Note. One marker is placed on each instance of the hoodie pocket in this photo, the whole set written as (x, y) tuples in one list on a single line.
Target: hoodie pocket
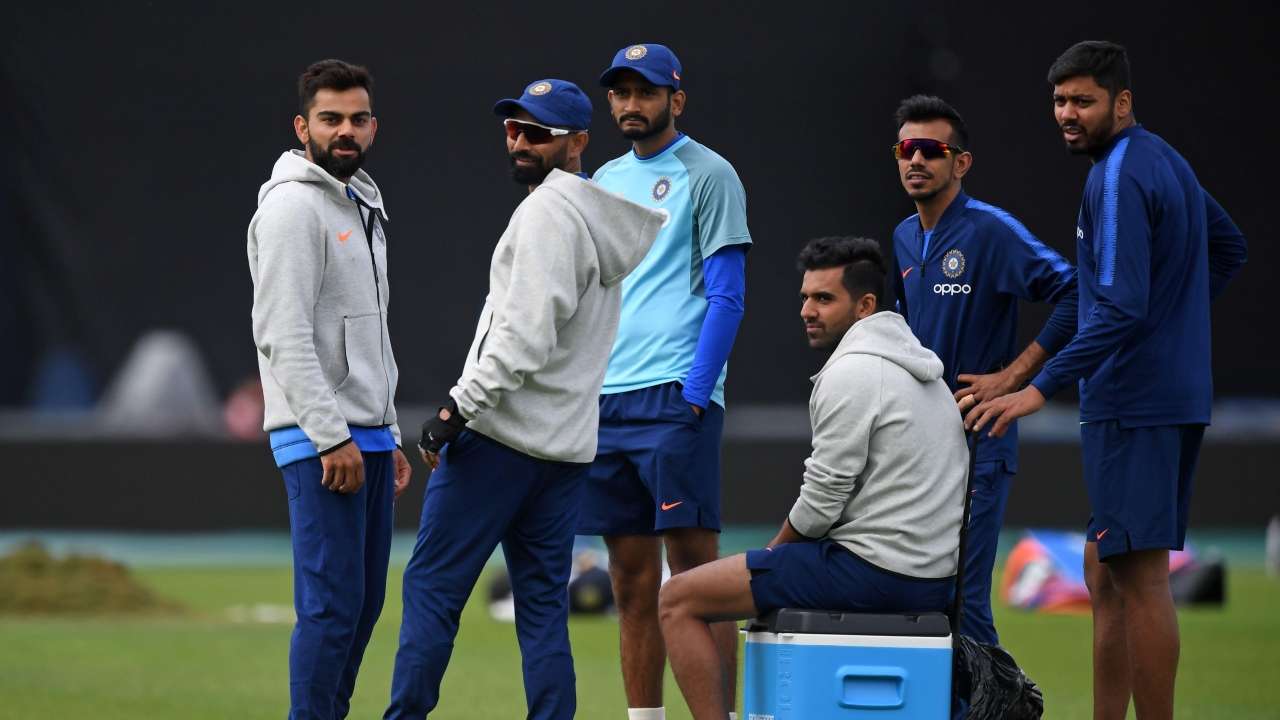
[(363, 391)]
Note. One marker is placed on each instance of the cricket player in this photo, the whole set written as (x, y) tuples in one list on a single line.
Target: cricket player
[(1154, 249), (656, 476)]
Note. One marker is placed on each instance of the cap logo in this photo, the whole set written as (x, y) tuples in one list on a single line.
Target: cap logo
[(540, 88), (953, 264), (675, 75), (636, 52), (661, 189)]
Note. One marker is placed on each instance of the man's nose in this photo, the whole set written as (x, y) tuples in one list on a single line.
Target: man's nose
[(520, 143), (806, 310), (917, 157)]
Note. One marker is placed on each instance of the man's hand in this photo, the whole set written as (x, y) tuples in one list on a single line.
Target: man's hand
[(404, 472), (439, 430), (1003, 410), (343, 469), (786, 534), (979, 388)]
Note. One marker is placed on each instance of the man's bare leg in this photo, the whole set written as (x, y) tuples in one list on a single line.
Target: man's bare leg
[(1111, 679), (718, 592), (688, 548), (635, 570), (1151, 628)]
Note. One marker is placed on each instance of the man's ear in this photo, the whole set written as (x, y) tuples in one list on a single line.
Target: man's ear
[(677, 103), (866, 306), (964, 161), (301, 130), (1124, 104)]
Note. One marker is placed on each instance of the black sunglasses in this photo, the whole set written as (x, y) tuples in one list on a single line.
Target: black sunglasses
[(534, 133), (930, 149)]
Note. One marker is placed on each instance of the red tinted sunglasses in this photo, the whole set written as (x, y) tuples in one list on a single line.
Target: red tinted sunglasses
[(534, 134), (930, 149)]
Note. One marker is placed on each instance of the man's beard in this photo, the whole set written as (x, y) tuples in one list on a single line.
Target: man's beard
[(542, 167), (340, 167), (659, 124), (1095, 140)]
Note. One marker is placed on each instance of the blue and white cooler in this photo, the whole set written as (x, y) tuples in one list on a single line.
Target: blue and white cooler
[(820, 665)]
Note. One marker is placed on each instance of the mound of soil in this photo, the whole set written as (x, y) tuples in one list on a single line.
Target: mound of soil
[(33, 581)]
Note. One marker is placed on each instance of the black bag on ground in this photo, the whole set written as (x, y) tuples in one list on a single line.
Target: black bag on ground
[(996, 688)]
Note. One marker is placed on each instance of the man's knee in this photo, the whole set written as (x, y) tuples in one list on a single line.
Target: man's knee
[(674, 599), (687, 548), (1141, 574)]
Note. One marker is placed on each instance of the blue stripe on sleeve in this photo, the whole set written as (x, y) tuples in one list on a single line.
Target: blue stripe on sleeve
[(1110, 216), (726, 282), (1042, 251)]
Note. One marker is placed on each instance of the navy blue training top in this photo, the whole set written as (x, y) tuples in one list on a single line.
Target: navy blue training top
[(1154, 248), (959, 293)]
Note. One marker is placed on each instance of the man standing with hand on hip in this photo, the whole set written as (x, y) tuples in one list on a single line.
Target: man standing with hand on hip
[(318, 259), (656, 478)]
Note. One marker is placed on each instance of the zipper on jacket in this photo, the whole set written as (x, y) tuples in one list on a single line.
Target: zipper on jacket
[(377, 291)]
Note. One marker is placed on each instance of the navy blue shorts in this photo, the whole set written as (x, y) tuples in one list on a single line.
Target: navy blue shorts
[(824, 575), (657, 465), (1139, 483)]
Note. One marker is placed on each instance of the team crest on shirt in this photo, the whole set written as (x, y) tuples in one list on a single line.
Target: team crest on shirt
[(635, 52), (661, 189), (953, 264), (540, 88)]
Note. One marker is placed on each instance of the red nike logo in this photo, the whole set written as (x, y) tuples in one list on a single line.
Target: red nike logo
[(1103, 532), (342, 236), (668, 506), (907, 272)]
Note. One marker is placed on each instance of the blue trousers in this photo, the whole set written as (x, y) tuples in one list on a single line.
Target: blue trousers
[(991, 483), (484, 493), (341, 544)]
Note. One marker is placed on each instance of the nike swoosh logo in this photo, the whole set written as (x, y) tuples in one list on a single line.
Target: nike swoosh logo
[(668, 506), (342, 236), (907, 272), (1101, 533)]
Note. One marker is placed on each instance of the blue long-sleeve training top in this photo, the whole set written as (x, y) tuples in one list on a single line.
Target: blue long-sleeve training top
[(1153, 249), (958, 286)]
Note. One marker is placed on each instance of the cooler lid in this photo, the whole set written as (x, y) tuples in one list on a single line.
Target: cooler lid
[(825, 622)]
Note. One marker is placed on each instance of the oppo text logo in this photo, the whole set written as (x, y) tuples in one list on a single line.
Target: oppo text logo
[(952, 289)]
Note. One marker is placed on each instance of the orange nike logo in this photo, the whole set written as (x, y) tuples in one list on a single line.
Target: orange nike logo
[(342, 236), (907, 272), (668, 506), (1103, 532)]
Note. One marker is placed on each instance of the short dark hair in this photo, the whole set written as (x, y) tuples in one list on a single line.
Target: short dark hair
[(330, 75), (923, 108), (861, 258), (1106, 62)]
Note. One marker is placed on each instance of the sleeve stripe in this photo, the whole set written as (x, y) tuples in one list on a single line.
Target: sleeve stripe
[(1110, 215), (1042, 251)]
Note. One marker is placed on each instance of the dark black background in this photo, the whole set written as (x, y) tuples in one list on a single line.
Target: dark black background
[(138, 136)]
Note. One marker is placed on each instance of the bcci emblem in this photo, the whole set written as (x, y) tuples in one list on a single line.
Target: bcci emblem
[(635, 52), (661, 189), (953, 264), (540, 88)]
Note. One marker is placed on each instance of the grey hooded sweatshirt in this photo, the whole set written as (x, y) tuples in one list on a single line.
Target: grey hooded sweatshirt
[(533, 375), (320, 303), (887, 473)]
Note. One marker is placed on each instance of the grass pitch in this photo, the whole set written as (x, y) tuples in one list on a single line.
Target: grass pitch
[(226, 657)]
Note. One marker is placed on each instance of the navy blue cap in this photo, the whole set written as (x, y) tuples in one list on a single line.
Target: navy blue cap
[(551, 102), (656, 63)]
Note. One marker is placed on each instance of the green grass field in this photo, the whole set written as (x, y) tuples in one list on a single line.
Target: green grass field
[(205, 664)]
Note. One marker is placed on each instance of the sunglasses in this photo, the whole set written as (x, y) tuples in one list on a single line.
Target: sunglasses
[(930, 149), (534, 134)]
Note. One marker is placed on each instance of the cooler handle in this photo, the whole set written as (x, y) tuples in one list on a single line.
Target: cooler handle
[(871, 687)]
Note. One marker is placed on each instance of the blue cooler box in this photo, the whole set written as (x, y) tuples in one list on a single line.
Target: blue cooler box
[(815, 665)]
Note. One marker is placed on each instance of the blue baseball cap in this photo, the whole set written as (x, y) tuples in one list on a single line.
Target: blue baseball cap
[(551, 102), (655, 62)]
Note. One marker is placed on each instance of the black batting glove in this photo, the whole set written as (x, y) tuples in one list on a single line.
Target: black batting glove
[(437, 432)]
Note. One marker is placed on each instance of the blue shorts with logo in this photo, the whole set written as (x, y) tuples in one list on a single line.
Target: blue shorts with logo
[(657, 466), (1139, 483), (825, 575)]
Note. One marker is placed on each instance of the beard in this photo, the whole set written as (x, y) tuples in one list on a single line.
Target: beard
[(340, 167), (542, 166), (1094, 140), (659, 124)]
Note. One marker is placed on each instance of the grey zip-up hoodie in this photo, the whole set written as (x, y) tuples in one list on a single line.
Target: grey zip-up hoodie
[(533, 375), (887, 473), (319, 265)]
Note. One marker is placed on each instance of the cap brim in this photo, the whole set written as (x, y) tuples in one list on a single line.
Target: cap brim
[(509, 106), (657, 78)]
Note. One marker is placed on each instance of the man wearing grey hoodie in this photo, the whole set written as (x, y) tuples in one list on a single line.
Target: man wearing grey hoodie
[(512, 448), (318, 259), (877, 524)]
